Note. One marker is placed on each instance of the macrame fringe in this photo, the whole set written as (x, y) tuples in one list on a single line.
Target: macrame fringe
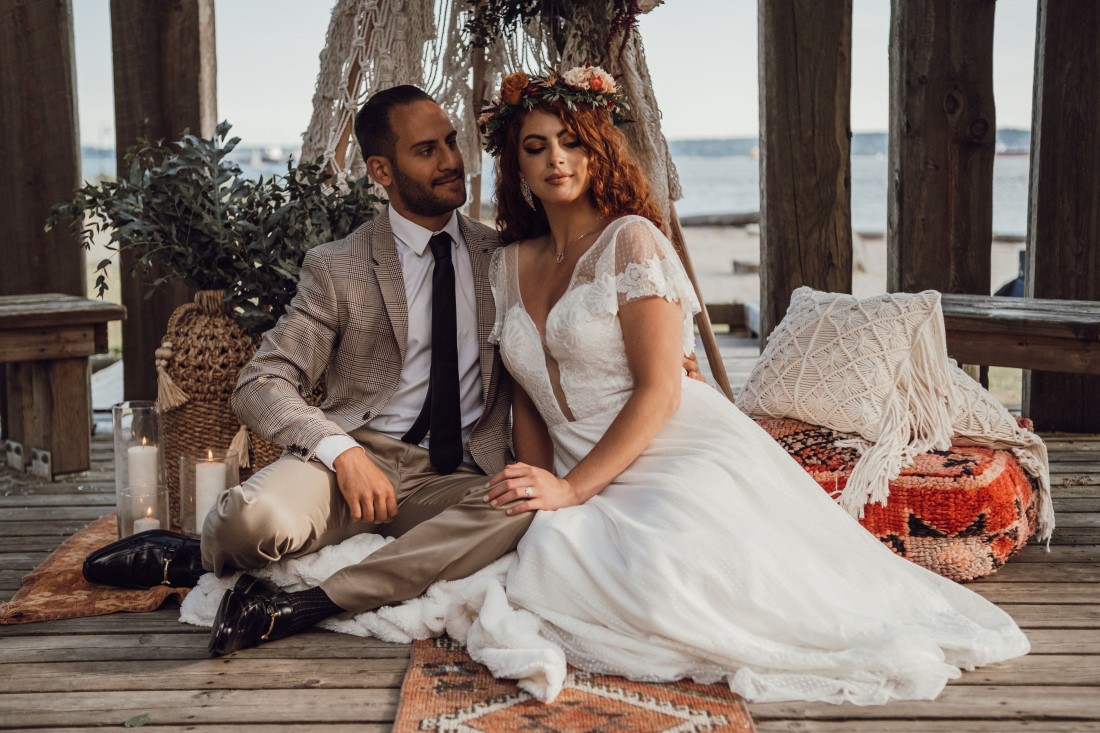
[(881, 461), (240, 446), (917, 421), (169, 396)]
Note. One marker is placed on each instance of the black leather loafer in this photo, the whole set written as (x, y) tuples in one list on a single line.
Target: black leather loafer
[(147, 559), (250, 613)]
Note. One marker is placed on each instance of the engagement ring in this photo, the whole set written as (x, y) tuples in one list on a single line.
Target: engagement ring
[(528, 491)]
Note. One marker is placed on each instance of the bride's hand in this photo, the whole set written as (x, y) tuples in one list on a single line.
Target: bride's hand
[(523, 488)]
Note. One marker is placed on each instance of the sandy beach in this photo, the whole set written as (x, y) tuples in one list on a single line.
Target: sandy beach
[(713, 251)]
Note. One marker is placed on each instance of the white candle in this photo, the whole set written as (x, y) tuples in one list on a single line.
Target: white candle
[(209, 482), (142, 465), (147, 522)]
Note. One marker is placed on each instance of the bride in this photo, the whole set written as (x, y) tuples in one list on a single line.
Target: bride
[(674, 538)]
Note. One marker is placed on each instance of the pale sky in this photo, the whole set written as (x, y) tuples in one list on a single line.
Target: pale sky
[(701, 53)]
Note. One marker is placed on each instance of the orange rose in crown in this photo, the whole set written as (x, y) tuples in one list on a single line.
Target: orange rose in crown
[(511, 89)]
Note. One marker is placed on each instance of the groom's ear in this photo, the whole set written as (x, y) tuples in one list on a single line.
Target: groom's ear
[(381, 170)]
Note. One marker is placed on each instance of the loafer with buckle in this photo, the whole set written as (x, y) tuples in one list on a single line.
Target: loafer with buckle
[(147, 559), (250, 613)]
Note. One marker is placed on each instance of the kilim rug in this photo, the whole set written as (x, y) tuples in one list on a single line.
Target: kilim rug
[(445, 690), (56, 589)]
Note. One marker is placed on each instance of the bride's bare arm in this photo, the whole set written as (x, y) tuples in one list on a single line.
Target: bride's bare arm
[(653, 333), (530, 438)]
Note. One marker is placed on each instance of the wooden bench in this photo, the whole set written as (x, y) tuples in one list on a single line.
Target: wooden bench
[(45, 342), (1026, 333)]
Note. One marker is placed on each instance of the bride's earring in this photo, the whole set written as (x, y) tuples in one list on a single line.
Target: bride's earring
[(525, 191)]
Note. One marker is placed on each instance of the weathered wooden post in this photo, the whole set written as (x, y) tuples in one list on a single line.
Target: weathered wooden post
[(165, 81), (805, 170), (1063, 238), (942, 143), (40, 147)]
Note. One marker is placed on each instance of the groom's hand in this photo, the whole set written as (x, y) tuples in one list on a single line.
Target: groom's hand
[(367, 491), (691, 366)]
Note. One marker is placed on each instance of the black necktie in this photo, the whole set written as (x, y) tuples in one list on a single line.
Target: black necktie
[(442, 413)]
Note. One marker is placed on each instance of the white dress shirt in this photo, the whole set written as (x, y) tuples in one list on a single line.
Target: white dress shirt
[(417, 266)]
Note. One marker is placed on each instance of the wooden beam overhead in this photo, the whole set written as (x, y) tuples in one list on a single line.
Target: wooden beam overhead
[(165, 71), (805, 67), (1063, 239), (943, 133)]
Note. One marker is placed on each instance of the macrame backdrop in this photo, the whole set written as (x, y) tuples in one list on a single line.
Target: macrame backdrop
[(375, 44)]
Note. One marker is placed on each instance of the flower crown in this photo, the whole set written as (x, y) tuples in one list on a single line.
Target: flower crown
[(581, 85)]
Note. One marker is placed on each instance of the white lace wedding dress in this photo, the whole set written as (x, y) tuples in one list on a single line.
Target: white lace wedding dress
[(714, 556)]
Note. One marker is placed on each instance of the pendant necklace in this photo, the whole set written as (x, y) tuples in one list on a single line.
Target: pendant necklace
[(560, 256)]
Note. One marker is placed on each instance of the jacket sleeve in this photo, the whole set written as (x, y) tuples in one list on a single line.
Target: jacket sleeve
[(293, 355)]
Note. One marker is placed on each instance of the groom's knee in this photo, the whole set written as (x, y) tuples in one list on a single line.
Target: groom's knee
[(252, 525)]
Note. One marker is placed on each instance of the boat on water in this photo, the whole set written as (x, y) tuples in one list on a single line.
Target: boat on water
[(273, 154)]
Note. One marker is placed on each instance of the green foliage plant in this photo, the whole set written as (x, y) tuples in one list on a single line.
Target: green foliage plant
[(185, 206)]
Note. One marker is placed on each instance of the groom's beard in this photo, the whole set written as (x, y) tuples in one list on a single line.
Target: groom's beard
[(427, 200)]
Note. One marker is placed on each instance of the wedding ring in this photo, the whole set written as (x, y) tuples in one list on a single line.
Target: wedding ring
[(528, 491)]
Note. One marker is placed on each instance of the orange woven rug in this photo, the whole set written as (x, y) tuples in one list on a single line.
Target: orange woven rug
[(446, 690), (56, 589)]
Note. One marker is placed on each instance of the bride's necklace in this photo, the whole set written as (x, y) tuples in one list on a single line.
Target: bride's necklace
[(559, 257)]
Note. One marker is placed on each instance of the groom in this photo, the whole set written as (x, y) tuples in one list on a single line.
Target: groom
[(396, 318)]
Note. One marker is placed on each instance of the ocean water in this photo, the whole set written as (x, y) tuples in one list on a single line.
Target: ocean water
[(726, 184), (720, 185)]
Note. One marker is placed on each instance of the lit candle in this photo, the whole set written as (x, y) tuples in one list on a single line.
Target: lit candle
[(147, 522), (209, 482), (142, 464)]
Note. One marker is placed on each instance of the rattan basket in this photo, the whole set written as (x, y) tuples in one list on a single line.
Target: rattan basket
[(198, 362)]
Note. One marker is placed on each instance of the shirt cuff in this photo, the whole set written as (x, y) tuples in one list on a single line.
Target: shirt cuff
[(332, 446)]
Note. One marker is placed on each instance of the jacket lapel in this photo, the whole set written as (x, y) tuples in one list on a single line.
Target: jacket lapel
[(387, 268), (481, 250)]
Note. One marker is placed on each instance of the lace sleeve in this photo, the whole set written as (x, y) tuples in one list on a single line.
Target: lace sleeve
[(644, 264)]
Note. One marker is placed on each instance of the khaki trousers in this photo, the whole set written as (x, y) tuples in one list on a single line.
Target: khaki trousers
[(444, 529)]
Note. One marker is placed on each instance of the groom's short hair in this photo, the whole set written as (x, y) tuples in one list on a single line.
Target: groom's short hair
[(372, 123)]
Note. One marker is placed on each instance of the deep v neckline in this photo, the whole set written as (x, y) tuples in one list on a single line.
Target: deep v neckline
[(569, 286)]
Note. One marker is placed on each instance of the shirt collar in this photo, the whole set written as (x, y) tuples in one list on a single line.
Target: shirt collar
[(416, 237)]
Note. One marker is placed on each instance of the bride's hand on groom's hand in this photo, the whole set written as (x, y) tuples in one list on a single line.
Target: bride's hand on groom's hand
[(367, 491), (523, 488)]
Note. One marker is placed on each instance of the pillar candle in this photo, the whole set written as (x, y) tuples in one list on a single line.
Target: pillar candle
[(209, 482), (142, 465), (147, 522)]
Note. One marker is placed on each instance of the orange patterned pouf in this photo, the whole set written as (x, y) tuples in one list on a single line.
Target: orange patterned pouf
[(446, 690), (961, 513)]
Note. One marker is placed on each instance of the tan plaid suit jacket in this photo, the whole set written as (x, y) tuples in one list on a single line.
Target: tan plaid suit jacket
[(349, 322)]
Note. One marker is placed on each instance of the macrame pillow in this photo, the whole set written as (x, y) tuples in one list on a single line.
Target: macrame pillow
[(875, 367), (982, 420)]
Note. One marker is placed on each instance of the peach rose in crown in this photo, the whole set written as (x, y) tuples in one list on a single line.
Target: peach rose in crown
[(601, 81), (511, 89)]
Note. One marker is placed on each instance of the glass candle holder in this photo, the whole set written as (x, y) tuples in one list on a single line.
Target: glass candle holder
[(139, 473), (203, 476), (138, 510)]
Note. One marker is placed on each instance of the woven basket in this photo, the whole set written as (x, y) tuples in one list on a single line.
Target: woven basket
[(198, 363)]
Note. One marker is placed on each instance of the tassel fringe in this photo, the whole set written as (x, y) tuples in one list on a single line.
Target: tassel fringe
[(169, 395), (240, 446), (918, 419)]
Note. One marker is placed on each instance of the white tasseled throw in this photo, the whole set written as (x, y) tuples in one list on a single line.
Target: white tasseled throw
[(876, 367)]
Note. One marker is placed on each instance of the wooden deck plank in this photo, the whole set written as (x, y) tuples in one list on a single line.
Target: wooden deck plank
[(143, 647), (208, 674), (915, 726), (200, 706), (957, 702)]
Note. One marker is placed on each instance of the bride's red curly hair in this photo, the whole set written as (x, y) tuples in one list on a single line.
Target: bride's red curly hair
[(618, 185)]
